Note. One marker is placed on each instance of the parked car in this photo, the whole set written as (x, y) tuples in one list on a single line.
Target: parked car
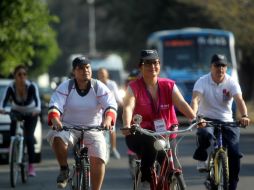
[(5, 131)]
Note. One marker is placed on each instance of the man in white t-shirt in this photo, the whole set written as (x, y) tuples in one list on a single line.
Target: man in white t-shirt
[(103, 76), (86, 102), (213, 95)]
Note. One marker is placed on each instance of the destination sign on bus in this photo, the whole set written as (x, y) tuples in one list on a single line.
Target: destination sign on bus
[(178, 43), (201, 40)]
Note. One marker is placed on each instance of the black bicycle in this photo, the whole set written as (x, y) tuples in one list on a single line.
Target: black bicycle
[(80, 175)]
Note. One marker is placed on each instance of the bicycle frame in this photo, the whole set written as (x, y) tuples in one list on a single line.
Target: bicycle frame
[(218, 170), (164, 179), (159, 181), (80, 177)]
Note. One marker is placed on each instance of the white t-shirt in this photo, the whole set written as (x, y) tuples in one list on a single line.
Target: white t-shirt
[(216, 100), (82, 110)]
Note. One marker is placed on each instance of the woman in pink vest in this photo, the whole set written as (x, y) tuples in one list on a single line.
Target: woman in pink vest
[(154, 99)]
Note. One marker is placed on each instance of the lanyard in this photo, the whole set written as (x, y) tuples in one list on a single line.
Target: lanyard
[(155, 106)]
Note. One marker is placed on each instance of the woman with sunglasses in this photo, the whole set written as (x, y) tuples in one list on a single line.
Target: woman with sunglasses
[(23, 96), (154, 99)]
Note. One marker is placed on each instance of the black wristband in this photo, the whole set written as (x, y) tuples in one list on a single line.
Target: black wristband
[(245, 115)]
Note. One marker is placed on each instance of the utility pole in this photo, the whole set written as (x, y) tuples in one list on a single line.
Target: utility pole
[(92, 33)]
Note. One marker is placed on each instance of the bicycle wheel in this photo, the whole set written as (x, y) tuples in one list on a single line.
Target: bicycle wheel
[(14, 165), (72, 180), (176, 182), (85, 174), (223, 172), (132, 165), (24, 166), (210, 180), (137, 177)]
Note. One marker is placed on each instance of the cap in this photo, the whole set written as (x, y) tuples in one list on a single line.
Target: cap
[(219, 59), (149, 54), (79, 61)]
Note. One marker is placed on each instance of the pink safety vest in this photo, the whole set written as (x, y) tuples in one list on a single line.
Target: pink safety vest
[(163, 108)]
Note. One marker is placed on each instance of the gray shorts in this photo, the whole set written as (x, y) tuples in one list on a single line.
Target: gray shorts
[(94, 140)]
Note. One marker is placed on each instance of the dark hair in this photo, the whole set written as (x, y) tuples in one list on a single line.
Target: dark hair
[(17, 68)]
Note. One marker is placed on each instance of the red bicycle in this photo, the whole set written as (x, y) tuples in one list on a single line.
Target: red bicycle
[(168, 175)]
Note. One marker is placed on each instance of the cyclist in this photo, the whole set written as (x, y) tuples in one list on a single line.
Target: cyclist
[(24, 97), (103, 76), (213, 95), (154, 99), (84, 104)]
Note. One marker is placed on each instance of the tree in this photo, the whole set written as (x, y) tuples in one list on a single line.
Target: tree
[(26, 36)]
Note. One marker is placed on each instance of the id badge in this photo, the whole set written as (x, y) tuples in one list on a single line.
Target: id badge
[(159, 125)]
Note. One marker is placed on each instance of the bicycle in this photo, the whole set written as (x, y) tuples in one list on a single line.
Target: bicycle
[(218, 169), (165, 176), (79, 178), (18, 158)]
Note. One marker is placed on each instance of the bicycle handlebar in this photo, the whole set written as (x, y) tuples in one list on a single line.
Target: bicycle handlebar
[(137, 127), (225, 124), (85, 128)]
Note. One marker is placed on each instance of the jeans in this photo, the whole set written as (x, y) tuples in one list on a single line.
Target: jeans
[(231, 137)]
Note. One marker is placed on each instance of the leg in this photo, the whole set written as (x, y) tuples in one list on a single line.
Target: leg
[(204, 138), (29, 128), (97, 172), (61, 151), (113, 145), (113, 139)]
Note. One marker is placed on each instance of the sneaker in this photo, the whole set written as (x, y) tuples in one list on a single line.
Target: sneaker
[(144, 185), (31, 171), (202, 166), (116, 153), (62, 178)]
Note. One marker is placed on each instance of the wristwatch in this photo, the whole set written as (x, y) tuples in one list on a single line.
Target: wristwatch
[(245, 115)]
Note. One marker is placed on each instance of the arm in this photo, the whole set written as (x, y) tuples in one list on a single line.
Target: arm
[(128, 107), (242, 109), (182, 105), (37, 99), (195, 101)]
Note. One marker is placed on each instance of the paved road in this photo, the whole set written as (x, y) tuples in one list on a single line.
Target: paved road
[(117, 176)]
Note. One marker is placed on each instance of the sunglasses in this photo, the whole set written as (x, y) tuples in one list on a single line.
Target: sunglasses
[(149, 63), (22, 74), (219, 65)]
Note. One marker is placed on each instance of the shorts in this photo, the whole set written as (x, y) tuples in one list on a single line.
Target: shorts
[(94, 140)]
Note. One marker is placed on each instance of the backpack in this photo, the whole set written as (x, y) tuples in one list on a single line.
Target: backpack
[(93, 83)]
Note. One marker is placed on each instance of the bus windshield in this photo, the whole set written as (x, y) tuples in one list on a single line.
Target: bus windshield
[(193, 52)]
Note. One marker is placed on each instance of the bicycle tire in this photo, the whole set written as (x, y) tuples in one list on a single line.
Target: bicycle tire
[(24, 166), (223, 172), (14, 165), (176, 182), (137, 177), (132, 164), (85, 165)]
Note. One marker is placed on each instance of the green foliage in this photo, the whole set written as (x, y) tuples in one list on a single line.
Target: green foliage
[(26, 36)]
